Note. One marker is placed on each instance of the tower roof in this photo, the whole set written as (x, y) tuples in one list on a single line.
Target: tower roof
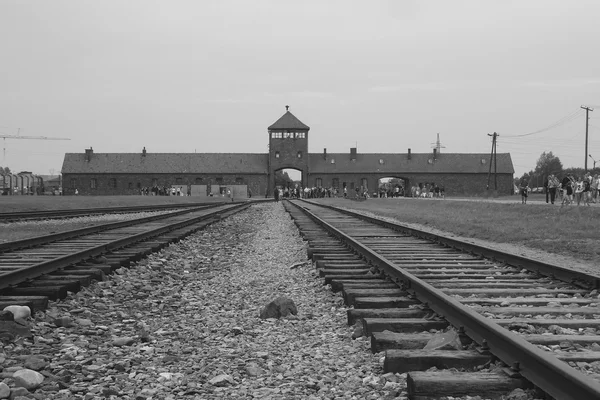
[(288, 121)]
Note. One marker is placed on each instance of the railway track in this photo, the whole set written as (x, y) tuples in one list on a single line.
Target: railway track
[(84, 212), (35, 270), (516, 321)]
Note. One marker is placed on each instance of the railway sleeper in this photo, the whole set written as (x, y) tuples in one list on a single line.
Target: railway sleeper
[(328, 279), (94, 273), (401, 361), (386, 340), (364, 284), (384, 302), (350, 294), (345, 271), (50, 292), (69, 284), (411, 325), (84, 280), (355, 315), (435, 384), (337, 264)]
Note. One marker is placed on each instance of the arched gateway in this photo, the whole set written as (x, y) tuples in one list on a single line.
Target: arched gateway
[(93, 173)]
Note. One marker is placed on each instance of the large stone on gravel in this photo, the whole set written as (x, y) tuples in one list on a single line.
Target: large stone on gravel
[(4, 390), (35, 363), (448, 340), (123, 341), (222, 380), (19, 312), (28, 379), (280, 307)]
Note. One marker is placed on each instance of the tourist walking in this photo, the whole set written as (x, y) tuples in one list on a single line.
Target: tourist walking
[(553, 184), (524, 189)]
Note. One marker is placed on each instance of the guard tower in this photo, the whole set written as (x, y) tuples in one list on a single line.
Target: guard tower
[(288, 147)]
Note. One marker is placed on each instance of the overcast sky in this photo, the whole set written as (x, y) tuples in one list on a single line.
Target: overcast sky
[(211, 76)]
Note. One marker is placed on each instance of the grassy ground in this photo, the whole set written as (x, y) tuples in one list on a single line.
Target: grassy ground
[(569, 231), (42, 203)]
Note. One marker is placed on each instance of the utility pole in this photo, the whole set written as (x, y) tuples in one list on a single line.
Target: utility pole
[(493, 158), (587, 122)]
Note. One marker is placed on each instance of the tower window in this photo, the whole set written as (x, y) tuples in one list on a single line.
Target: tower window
[(276, 135), (333, 160), (299, 154), (276, 154), (300, 135)]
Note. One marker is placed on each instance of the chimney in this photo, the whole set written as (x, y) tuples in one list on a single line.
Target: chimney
[(409, 155), (353, 153), (435, 154), (325, 154), (144, 152), (88, 154)]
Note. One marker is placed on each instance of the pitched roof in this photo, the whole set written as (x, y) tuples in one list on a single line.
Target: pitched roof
[(166, 163), (288, 121), (399, 163)]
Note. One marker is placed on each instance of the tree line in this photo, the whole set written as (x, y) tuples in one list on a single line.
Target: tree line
[(548, 164)]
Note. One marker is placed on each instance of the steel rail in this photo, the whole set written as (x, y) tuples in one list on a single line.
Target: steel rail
[(18, 276), (553, 376), (72, 213), (546, 269), (39, 240)]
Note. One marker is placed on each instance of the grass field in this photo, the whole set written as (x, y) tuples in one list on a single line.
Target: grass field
[(43, 203), (572, 231)]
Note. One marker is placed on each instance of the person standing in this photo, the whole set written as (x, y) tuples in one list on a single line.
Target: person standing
[(276, 193), (524, 189), (552, 187), (546, 181)]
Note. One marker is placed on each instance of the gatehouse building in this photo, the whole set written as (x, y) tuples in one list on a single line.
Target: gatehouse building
[(205, 174)]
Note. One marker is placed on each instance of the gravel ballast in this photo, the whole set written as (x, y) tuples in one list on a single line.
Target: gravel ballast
[(184, 323)]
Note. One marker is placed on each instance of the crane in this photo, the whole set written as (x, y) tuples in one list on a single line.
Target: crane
[(17, 136)]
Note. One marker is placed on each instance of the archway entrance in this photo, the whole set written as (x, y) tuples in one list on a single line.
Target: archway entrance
[(289, 182), (392, 187)]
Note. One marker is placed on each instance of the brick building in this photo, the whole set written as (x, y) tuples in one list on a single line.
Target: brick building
[(126, 173)]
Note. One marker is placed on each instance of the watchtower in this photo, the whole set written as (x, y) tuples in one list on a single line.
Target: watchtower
[(288, 146)]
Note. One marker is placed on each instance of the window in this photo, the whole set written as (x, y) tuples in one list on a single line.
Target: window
[(139, 185), (130, 185), (319, 182), (300, 135), (333, 160), (93, 183), (288, 135), (73, 183), (198, 181), (276, 135), (154, 182), (239, 181), (381, 161), (276, 154), (299, 154), (178, 181), (351, 185), (336, 182), (112, 183), (363, 183)]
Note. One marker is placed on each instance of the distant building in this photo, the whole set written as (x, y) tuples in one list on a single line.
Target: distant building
[(127, 173)]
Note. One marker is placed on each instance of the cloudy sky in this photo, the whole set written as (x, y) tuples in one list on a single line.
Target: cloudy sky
[(211, 76)]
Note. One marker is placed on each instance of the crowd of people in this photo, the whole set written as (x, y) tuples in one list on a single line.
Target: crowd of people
[(165, 191), (570, 190)]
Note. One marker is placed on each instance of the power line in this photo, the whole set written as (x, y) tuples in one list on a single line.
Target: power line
[(556, 124)]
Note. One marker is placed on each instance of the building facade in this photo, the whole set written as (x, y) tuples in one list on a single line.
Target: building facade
[(129, 173)]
